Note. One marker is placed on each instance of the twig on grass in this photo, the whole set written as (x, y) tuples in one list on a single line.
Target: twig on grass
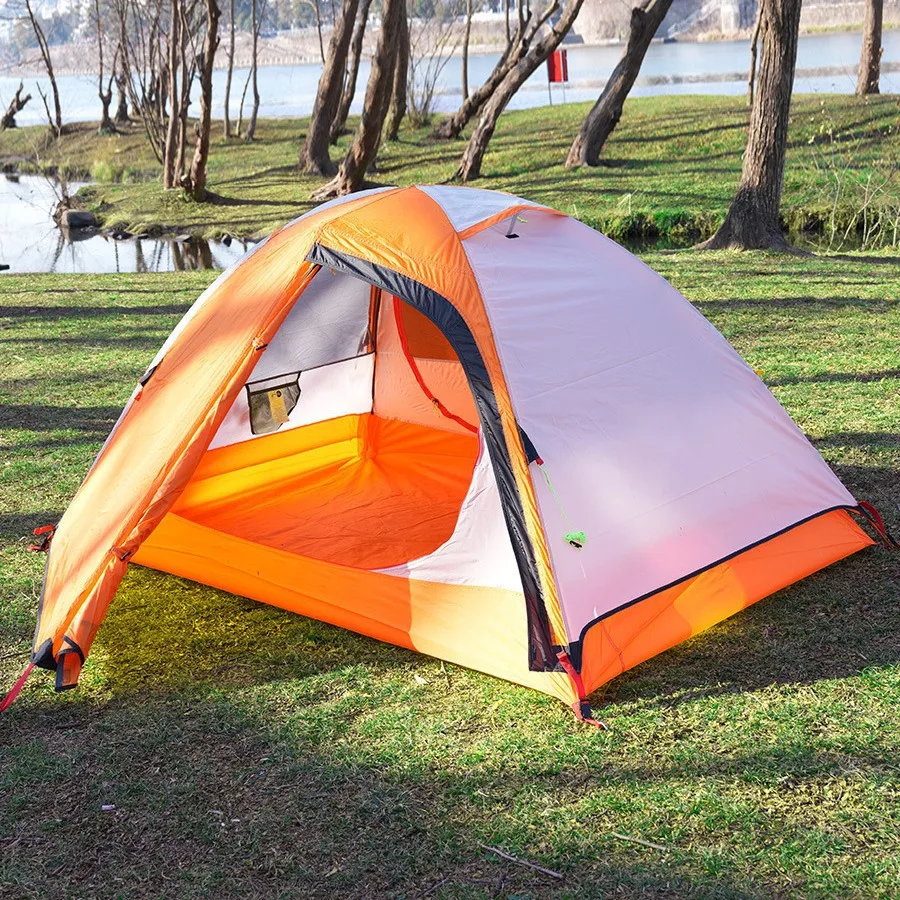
[(641, 841), (523, 862), (434, 887)]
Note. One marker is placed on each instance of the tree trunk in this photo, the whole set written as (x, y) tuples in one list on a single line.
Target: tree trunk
[(230, 70), (397, 108), (452, 126), (754, 47), (753, 222), (187, 77), (314, 158), (240, 121), (56, 121), (121, 117), (465, 49), (473, 155), (352, 171), (16, 105), (349, 91), (171, 142), (870, 58), (106, 123), (319, 29), (251, 128), (107, 126), (197, 175), (601, 121)]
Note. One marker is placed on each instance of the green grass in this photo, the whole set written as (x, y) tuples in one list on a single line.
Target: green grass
[(673, 167), (253, 753)]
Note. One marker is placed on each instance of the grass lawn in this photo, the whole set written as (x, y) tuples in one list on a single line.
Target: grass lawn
[(673, 167), (246, 752)]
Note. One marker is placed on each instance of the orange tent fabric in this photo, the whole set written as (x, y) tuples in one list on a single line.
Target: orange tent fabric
[(360, 420)]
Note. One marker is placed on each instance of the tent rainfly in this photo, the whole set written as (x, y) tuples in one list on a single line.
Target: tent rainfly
[(459, 422)]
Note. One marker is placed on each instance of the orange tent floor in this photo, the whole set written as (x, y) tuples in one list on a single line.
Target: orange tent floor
[(356, 491)]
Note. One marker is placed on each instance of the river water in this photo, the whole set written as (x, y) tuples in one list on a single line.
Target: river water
[(712, 67), (31, 242)]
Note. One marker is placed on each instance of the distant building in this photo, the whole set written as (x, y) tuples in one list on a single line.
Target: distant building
[(601, 20)]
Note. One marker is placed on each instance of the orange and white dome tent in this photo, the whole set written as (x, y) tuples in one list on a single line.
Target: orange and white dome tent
[(458, 422)]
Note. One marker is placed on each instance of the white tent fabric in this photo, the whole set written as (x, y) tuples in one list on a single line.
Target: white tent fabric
[(465, 207), (479, 550), (662, 445)]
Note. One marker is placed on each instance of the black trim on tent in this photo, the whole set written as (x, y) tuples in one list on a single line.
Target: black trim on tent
[(576, 647), (541, 655), (148, 375)]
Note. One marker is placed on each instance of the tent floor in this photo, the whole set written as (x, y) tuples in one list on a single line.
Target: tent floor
[(369, 493)]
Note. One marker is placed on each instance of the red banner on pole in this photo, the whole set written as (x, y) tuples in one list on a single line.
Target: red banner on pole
[(558, 67)]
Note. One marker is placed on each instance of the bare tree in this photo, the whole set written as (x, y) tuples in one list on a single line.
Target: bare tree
[(753, 221), (319, 29), (16, 105), (870, 57), (473, 155), (397, 108), (352, 72), (121, 116), (314, 158), (464, 61), (352, 171), (754, 47), (432, 45), (601, 121), (527, 26), (144, 67), (106, 123), (43, 46), (230, 69), (196, 180), (256, 25), (171, 165), (179, 48)]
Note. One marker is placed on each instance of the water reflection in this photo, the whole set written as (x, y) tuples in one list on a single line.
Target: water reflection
[(31, 242)]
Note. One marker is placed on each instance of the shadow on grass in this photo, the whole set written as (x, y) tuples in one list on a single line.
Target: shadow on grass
[(220, 200), (813, 306), (21, 525), (92, 422), (250, 752), (836, 377), (30, 313), (231, 798)]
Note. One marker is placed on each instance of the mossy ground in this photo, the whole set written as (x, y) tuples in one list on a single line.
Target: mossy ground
[(247, 752), (671, 169)]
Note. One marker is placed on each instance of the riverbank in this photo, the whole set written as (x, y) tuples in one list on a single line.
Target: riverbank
[(671, 169), (222, 747)]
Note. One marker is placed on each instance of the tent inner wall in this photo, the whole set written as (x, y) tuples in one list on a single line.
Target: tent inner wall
[(337, 448)]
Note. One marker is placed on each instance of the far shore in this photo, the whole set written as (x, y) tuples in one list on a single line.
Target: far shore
[(282, 49)]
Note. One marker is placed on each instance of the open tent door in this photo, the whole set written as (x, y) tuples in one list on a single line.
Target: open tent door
[(350, 481)]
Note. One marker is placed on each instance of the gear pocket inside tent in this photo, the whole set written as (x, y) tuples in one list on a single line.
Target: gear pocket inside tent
[(272, 401)]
